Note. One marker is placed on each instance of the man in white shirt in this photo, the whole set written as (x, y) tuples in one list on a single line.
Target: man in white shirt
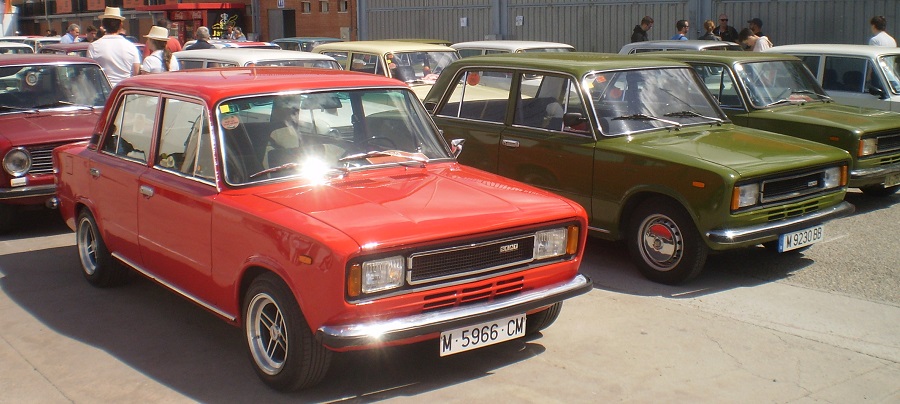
[(756, 43), (72, 35), (881, 38), (118, 56)]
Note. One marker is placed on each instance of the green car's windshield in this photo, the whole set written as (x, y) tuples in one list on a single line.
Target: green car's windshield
[(772, 83), (315, 135), (424, 67), (52, 86), (890, 65), (639, 100)]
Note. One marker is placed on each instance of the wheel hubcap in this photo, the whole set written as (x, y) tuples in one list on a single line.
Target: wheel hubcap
[(661, 243), (266, 334), (87, 247)]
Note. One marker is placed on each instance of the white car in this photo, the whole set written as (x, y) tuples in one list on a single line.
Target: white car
[(35, 42), (8, 48), (229, 44), (201, 58), (675, 45), (475, 48), (859, 75)]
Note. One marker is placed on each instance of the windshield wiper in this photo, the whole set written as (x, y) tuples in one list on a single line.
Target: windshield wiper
[(827, 98), (61, 103), (10, 107), (782, 101), (645, 117), (383, 153), (692, 114), (291, 166)]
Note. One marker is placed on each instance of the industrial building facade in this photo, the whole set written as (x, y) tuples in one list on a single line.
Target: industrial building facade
[(589, 25)]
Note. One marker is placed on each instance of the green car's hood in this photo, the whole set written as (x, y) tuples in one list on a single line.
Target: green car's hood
[(845, 117), (747, 152)]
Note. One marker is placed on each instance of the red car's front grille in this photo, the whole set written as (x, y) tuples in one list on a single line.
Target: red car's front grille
[(471, 294)]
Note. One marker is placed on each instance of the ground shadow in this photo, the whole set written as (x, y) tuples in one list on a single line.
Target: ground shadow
[(190, 351), (865, 203), (35, 222), (610, 267)]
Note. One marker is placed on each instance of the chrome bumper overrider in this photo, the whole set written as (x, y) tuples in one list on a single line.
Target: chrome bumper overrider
[(364, 334), (735, 236)]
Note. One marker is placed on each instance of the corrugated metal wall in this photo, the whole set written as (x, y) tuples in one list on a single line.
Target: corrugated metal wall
[(605, 25), (813, 21), (438, 19), (594, 26)]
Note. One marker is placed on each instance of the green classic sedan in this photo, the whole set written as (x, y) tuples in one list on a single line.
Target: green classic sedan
[(777, 93), (645, 149)]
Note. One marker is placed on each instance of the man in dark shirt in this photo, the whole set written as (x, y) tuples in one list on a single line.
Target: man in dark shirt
[(202, 40), (725, 31), (640, 31)]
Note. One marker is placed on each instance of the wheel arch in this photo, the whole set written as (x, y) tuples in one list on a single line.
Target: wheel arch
[(635, 199)]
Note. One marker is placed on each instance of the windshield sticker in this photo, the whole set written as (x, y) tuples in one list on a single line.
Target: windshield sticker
[(230, 122)]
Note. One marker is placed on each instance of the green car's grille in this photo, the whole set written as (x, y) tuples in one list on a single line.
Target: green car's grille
[(888, 143), (792, 211), (783, 188)]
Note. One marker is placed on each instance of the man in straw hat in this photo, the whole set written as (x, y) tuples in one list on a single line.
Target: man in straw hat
[(118, 56), (160, 58)]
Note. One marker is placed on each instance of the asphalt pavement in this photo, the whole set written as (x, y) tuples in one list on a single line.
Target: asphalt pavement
[(820, 326)]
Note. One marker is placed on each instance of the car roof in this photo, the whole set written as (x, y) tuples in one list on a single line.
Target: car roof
[(216, 84), (242, 56), (727, 57), (510, 45), (67, 46), (307, 39), (382, 47), (42, 58), (836, 49), (575, 63), (695, 44), (19, 38), (7, 44)]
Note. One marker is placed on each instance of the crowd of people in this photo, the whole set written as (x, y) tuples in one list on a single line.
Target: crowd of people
[(750, 37)]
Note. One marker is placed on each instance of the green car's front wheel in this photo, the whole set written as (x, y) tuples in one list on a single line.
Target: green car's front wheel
[(664, 242)]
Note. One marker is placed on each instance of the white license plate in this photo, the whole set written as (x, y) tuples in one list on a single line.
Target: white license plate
[(481, 335), (799, 239), (891, 180)]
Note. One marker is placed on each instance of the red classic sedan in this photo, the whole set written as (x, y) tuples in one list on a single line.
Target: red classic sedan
[(45, 101), (318, 210)]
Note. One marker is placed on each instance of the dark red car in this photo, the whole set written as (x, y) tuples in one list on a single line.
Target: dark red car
[(45, 101), (320, 210)]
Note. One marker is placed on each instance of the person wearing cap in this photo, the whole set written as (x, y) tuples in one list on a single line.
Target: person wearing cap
[(71, 35), (118, 56), (203, 38), (881, 38), (160, 59), (725, 31), (754, 42), (755, 25)]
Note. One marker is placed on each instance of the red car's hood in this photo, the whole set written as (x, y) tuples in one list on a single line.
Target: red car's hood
[(48, 126), (408, 206)]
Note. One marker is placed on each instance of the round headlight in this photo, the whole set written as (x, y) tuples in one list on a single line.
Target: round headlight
[(17, 162)]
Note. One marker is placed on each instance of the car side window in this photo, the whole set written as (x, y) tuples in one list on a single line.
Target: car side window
[(543, 100), (846, 74), (720, 84), (479, 95), (366, 63), (464, 53), (812, 63), (190, 64), (341, 57), (184, 144), (132, 129)]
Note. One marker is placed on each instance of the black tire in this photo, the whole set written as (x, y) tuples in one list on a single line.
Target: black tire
[(880, 190), (97, 265), (664, 242), (542, 319), (282, 349), (7, 217)]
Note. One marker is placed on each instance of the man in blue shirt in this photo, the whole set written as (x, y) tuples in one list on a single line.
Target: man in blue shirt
[(72, 35), (681, 28)]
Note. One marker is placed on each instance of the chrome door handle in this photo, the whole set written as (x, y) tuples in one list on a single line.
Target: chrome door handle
[(95, 173), (146, 190), (510, 143)]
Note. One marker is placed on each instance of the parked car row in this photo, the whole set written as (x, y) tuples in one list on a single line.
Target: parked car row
[(322, 210)]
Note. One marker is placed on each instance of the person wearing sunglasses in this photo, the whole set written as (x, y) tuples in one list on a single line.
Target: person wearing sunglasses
[(725, 31)]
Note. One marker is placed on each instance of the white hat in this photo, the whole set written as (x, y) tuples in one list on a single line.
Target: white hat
[(112, 13), (158, 33)]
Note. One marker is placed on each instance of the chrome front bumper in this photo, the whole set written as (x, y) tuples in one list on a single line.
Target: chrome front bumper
[(28, 191), (874, 172), (373, 333), (737, 236)]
